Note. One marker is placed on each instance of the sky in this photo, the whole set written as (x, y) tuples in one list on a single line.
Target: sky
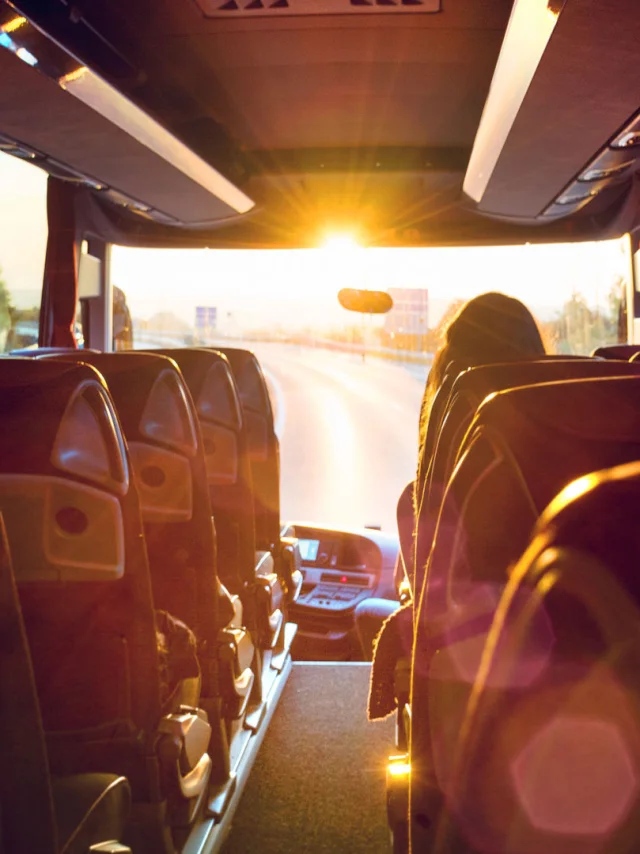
[(298, 288)]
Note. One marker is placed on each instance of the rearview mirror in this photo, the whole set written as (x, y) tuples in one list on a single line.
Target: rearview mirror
[(365, 302)]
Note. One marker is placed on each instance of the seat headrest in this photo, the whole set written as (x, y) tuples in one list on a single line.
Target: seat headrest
[(249, 379), (211, 383), (153, 402), (38, 352), (26, 372), (596, 409), (59, 418), (617, 351), (598, 514), (64, 472), (486, 379)]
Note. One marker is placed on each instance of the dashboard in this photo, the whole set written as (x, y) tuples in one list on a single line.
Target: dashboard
[(340, 569)]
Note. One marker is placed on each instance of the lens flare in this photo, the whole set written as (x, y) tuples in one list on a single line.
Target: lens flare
[(576, 777)]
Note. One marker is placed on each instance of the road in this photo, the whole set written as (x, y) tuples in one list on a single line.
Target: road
[(348, 433)]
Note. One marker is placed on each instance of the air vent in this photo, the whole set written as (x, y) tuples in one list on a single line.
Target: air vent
[(255, 8)]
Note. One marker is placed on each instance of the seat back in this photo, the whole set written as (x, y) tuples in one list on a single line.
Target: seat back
[(163, 435), (429, 431), (210, 381), (25, 789), (473, 386), (553, 717), (425, 495), (264, 448), (73, 523), (523, 446), (623, 352)]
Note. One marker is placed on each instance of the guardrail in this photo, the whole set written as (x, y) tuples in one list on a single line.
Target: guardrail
[(413, 356), (182, 339)]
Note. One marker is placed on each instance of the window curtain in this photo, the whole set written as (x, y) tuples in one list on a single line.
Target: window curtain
[(60, 290)]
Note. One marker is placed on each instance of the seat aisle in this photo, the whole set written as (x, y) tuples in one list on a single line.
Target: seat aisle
[(318, 784)]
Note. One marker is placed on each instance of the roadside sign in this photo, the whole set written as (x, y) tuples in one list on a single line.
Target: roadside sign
[(206, 317)]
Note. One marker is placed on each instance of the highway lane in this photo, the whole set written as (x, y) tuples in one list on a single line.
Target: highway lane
[(348, 433)]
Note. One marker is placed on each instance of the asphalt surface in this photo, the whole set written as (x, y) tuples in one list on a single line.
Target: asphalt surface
[(348, 433)]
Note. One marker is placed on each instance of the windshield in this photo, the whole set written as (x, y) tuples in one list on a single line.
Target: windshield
[(346, 388)]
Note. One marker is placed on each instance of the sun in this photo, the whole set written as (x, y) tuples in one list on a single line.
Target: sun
[(342, 260), (340, 243)]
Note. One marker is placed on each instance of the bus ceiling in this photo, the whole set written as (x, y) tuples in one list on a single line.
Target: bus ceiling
[(192, 124)]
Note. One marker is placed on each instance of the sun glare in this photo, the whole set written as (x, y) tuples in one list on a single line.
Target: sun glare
[(340, 243)]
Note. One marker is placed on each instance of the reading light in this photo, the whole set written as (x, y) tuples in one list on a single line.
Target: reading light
[(596, 173), (23, 54), (528, 32), (630, 139), (630, 136), (9, 147), (87, 87), (576, 194), (13, 25), (6, 41)]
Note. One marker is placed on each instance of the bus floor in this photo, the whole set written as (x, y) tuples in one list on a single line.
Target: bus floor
[(318, 783)]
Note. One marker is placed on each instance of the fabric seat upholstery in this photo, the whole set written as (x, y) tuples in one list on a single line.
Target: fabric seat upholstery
[(523, 447), (560, 678)]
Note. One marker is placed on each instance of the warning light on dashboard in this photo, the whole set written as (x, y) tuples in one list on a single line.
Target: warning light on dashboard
[(343, 579)]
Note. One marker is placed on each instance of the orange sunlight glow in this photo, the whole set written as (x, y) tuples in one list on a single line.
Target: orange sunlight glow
[(340, 243)]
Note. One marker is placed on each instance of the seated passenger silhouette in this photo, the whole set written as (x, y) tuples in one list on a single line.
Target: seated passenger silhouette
[(488, 329)]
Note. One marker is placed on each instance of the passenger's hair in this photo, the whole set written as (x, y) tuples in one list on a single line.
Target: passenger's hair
[(489, 328)]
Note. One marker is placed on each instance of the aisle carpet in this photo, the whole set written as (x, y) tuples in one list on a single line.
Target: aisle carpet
[(318, 784)]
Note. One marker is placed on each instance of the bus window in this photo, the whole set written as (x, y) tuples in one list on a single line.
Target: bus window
[(122, 324), (23, 236)]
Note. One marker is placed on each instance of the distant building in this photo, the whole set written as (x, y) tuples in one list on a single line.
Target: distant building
[(410, 313)]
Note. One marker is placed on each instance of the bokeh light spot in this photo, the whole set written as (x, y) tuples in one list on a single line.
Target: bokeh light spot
[(575, 777)]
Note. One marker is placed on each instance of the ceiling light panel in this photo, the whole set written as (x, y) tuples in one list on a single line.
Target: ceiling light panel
[(530, 27), (109, 103)]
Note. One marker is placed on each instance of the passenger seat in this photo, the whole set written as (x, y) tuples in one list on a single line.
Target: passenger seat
[(468, 391), (523, 447), (165, 442), (553, 721), (215, 395), (73, 522), (40, 815), (277, 560)]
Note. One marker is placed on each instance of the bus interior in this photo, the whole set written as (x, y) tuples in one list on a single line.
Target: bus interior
[(180, 665)]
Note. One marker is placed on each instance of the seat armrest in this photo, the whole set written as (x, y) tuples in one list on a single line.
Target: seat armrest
[(269, 598), (265, 565), (234, 617), (90, 809), (237, 652), (185, 763)]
